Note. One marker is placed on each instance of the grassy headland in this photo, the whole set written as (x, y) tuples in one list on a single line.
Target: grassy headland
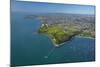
[(61, 27), (57, 33)]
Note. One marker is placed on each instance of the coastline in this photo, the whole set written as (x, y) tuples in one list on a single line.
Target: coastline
[(56, 45), (85, 37)]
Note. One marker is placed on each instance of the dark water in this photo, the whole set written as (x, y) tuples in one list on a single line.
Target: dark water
[(29, 48)]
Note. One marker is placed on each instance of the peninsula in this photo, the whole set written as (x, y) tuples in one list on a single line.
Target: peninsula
[(60, 27)]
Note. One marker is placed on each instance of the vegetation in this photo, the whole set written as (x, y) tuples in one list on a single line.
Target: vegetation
[(61, 27), (58, 34), (88, 34)]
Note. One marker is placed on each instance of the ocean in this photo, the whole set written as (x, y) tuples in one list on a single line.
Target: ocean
[(30, 48)]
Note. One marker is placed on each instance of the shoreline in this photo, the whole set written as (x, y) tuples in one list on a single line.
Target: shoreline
[(57, 45), (85, 37)]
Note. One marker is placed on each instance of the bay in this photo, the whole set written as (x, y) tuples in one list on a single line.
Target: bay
[(30, 48)]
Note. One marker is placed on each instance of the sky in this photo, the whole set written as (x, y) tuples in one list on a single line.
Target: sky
[(37, 7)]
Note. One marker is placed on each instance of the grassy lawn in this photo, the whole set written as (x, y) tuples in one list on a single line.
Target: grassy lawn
[(57, 33)]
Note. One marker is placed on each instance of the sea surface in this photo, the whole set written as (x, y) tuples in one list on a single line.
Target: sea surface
[(30, 48)]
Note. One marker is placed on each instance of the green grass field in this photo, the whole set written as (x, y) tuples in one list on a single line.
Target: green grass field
[(58, 33)]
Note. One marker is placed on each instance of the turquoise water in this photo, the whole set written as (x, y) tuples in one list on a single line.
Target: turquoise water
[(30, 48)]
